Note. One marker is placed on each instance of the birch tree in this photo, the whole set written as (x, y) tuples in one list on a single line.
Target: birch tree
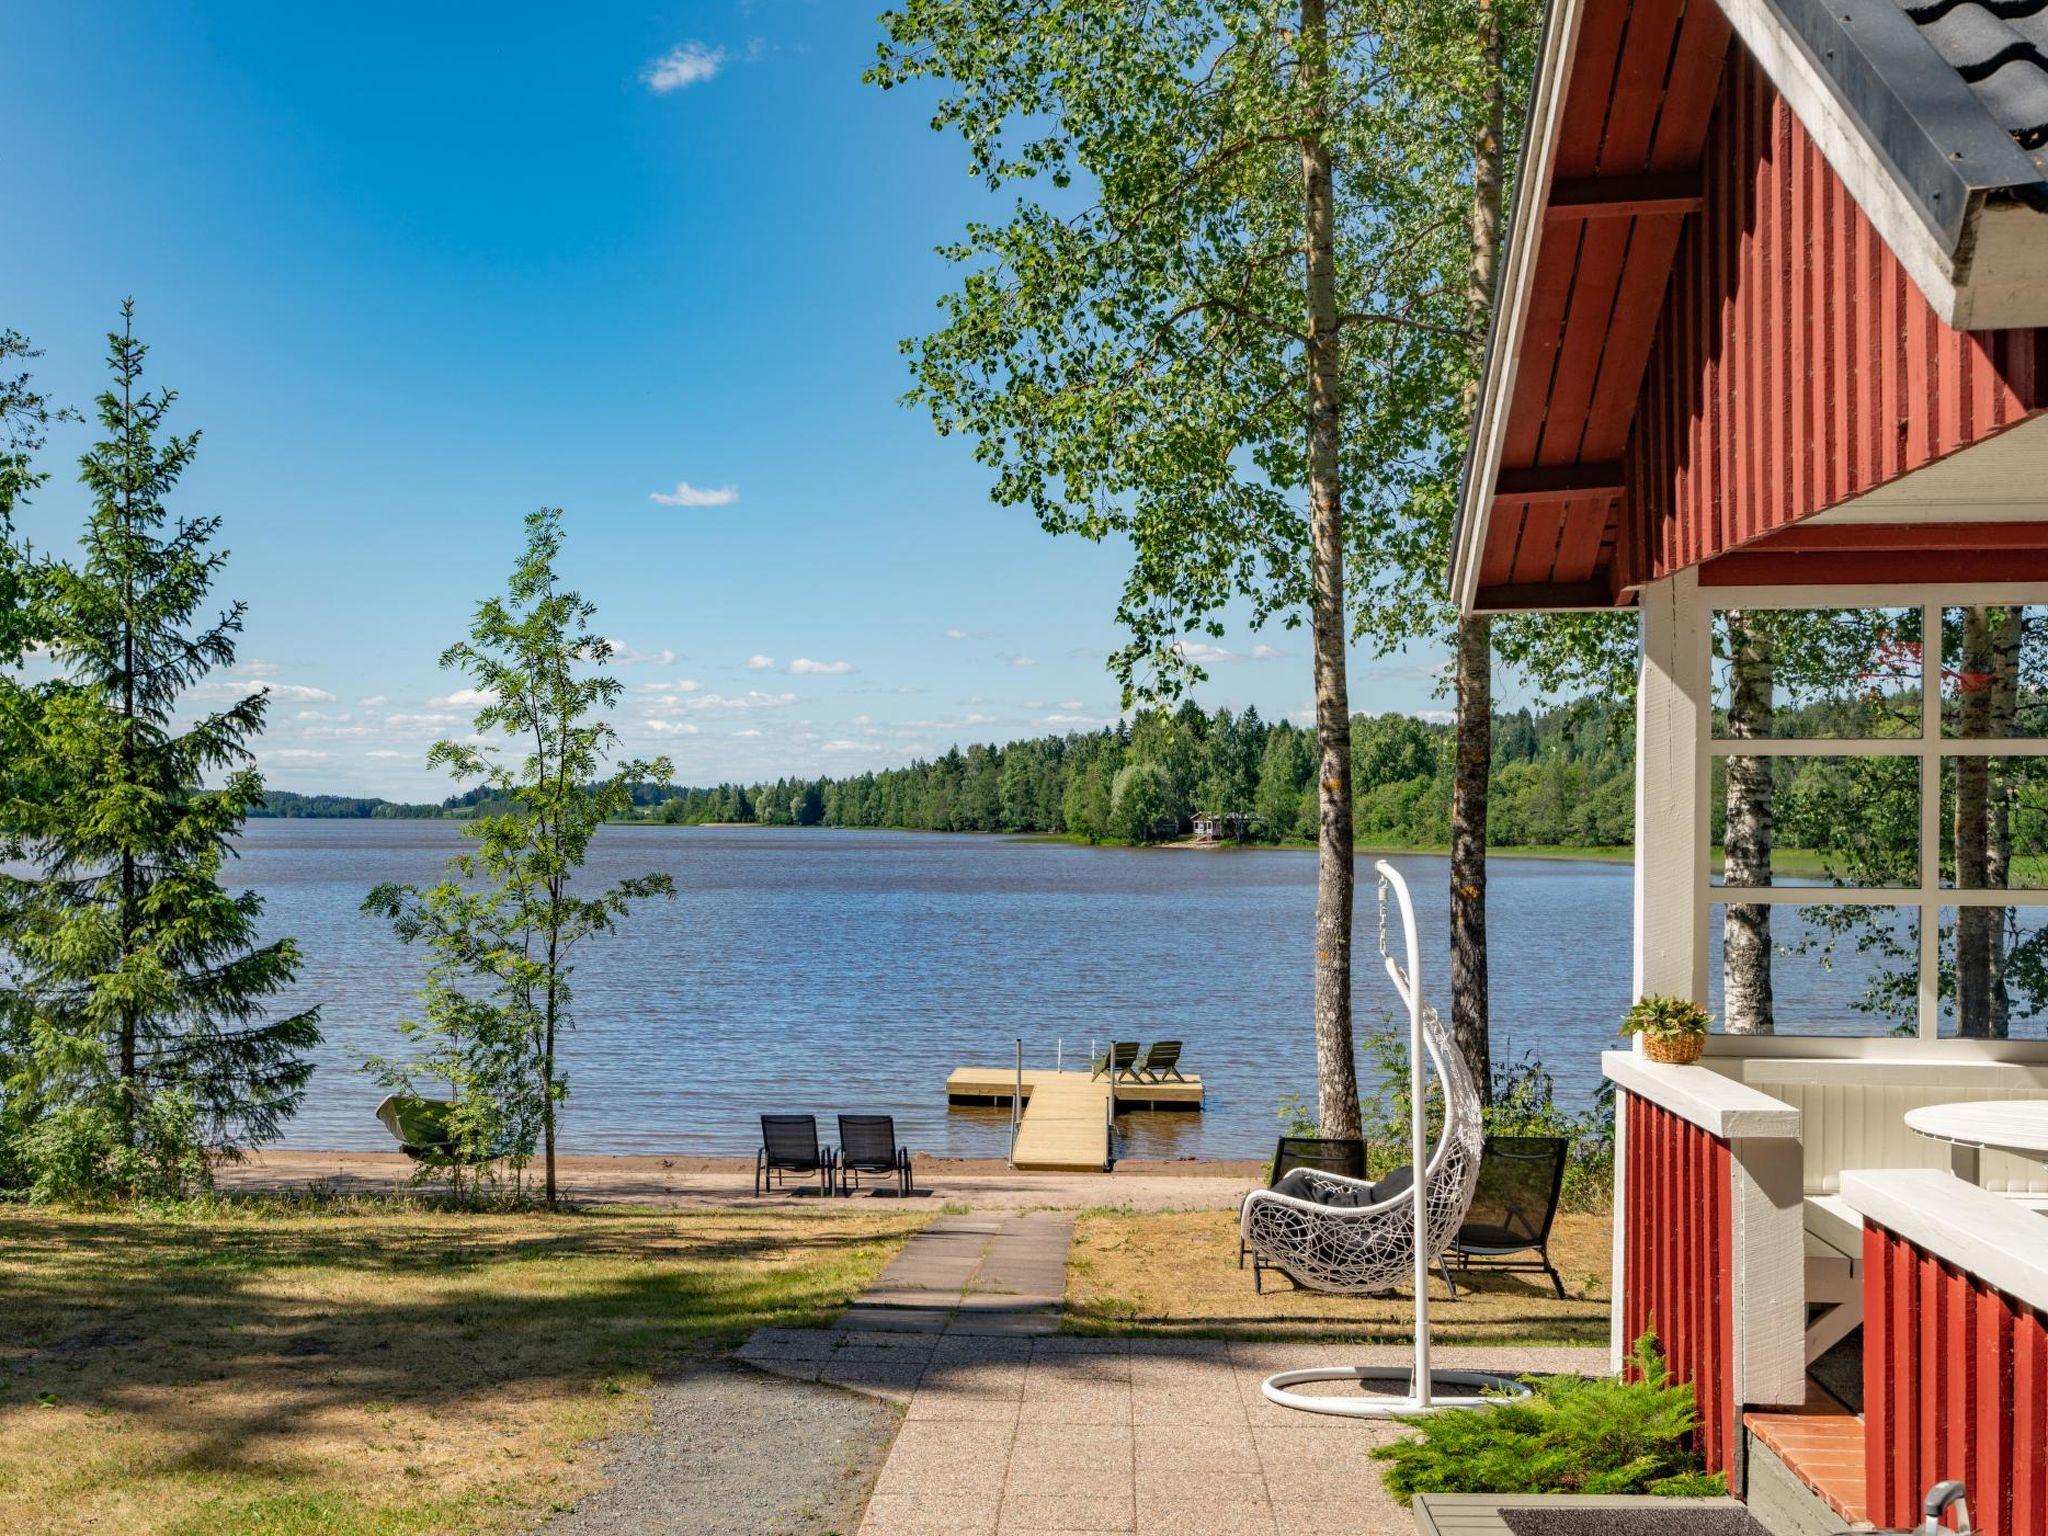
[(1214, 325)]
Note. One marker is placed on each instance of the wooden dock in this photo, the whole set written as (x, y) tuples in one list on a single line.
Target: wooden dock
[(1066, 1114)]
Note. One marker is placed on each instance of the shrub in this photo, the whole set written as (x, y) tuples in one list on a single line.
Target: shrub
[(1628, 1434), (75, 1151), (1524, 1103)]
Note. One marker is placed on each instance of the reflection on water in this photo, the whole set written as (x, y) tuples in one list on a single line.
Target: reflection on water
[(825, 971)]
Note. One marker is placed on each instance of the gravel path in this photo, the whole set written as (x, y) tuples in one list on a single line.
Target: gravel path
[(733, 1452)]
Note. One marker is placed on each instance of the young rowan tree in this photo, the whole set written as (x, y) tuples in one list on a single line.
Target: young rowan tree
[(505, 929)]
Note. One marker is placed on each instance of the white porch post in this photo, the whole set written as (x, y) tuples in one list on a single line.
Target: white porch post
[(1672, 782), (1672, 720)]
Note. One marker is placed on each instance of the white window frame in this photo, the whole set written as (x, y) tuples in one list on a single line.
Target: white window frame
[(1930, 747)]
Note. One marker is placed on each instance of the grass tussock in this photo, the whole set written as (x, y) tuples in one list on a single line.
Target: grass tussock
[(1176, 1272), (368, 1367)]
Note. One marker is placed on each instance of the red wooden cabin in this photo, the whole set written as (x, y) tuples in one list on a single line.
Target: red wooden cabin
[(1773, 339)]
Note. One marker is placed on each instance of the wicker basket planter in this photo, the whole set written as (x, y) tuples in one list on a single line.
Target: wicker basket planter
[(1674, 1050)]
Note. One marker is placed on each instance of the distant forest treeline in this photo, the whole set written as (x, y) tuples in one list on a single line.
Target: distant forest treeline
[(1562, 776)]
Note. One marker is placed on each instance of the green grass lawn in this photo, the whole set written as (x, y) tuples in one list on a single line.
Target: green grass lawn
[(368, 1368)]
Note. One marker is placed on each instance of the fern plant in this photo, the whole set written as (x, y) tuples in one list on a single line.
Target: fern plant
[(1627, 1434)]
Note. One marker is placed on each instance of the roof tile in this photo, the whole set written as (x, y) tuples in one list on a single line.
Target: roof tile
[(2000, 49)]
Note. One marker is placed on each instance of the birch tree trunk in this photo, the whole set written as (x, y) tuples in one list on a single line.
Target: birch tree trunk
[(2005, 708), (1749, 829), (1976, 927), (1473, 764), (1336, 1068)]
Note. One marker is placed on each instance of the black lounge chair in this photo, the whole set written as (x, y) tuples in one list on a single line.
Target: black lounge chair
[(1161, 1061), (867, 1144), (789, 1144), (1520, 1178), (1120, 1063), (1341, 1155)]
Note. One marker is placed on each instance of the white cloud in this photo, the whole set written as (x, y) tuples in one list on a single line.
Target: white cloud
[(688, 495), (724, 703), (295, 693), (842, 745), (980, 720), (295, 755), (467, 698), (679, 685), (749, 732), (671, 727), (1080, 720), (760, 663), (374, 701), (259, 669), (1020, 661), (387, 754), (626, 656), (1203, 654), (1070, 703), (420, 722), (684, 65), (803, 666)]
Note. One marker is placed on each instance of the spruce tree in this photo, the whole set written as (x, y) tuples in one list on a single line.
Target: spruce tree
[(147, 990)]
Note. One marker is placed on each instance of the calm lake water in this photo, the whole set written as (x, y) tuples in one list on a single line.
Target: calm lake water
[(825, 970)]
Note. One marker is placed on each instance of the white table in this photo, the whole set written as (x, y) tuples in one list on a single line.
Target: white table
[(2003, 1125)]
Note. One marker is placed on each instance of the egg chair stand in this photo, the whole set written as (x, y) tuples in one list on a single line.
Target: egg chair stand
[(1341, 1236)]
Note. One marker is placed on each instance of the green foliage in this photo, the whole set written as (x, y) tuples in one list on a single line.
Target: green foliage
[(1665, 1017), (134, 993), (503, 931), (1134, 361), (83, 1151), (1563, 778), (1524, 1103), (1570, 1435)]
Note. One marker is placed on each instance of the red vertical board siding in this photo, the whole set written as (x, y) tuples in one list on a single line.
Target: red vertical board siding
[(1795, 364), (1955, 1384), (1678, 1262)]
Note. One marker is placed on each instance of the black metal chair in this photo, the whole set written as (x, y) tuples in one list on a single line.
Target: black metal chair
[(1520, 1178), (789, 1144), (867, 1144), (1343, 1155), (1161, 1061)]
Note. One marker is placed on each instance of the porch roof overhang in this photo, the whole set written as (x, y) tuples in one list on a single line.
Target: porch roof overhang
[(1929, 123)]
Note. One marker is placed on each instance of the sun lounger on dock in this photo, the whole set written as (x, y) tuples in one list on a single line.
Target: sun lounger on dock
[(1161, 1061)]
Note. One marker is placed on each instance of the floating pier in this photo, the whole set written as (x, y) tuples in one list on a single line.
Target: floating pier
[(1065, 1128)]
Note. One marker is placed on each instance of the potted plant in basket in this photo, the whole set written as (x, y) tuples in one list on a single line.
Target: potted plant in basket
[(1674, 1029)]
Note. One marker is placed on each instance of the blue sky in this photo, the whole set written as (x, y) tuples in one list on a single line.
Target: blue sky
[(418, 269)]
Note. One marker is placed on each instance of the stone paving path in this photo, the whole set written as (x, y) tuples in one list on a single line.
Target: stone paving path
[(1010, 1427)]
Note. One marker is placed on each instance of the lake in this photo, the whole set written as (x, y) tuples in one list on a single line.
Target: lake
[(825, 970), (815, 969)]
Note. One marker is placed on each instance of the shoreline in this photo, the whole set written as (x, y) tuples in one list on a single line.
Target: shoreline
[(684, 1181)]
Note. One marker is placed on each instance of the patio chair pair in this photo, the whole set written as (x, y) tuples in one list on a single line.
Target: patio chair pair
[(1123, 1062), (1506, 1229), (867, 1144)]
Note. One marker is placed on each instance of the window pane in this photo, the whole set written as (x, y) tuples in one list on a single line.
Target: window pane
[(1996, 810), (1821, 970), (1824, 821), (1994, 972), (1994, 672), (1816, 673)]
